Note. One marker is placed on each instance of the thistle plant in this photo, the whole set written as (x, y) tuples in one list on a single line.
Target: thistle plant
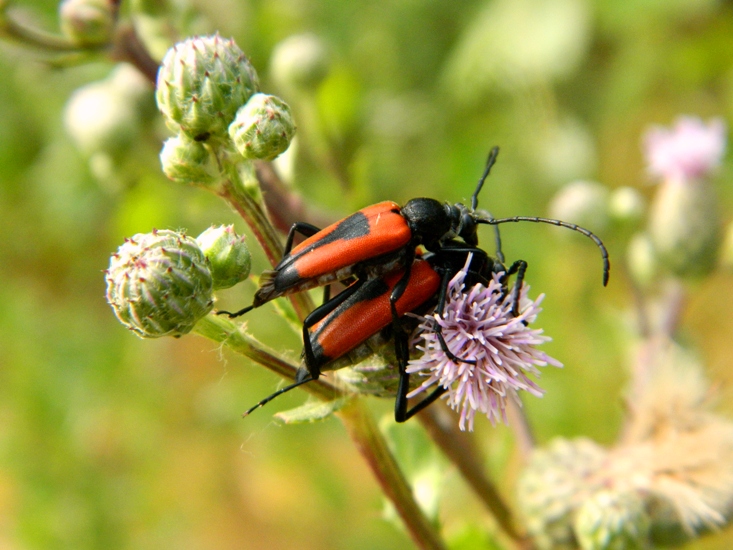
[(684, 223), (666, 479)]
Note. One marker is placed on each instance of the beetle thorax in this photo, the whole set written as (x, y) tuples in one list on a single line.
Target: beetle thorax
[(429, 221)]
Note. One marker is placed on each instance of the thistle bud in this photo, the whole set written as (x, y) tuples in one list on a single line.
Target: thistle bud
[(88, 22), (159, 284), (201, 84), (684, 226), (641, 259), (187, 161), (99, 119), (555, 481), (612, 520), (626, 206), (228, 255), (263, 127), (299, 63), (583, 202)]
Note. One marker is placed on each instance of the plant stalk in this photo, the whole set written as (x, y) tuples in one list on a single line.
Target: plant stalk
[(373, 447), (234, 192), (460, 448), (222, 330)]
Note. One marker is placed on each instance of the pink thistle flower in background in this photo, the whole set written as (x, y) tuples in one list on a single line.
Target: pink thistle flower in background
[(477, 324), (690, 149)]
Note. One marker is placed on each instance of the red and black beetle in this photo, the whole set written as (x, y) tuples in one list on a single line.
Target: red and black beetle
[(364, 310), (382, 238)]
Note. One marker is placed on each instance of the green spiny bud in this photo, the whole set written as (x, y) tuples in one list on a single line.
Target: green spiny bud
[(263, 127), (684, 226), (187, 161), (299, 63), (201, 84), (88, 22), (582, 202), (159, 284), (228, 255), (553, 484), (612, 520)]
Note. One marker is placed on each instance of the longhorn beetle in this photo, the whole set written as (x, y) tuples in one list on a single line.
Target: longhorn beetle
[(364, 309), (382, 238)]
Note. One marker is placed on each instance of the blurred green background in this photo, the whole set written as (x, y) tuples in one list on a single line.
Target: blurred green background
[(108, 441)]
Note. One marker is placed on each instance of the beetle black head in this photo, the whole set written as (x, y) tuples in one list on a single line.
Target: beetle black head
[(432, 222)]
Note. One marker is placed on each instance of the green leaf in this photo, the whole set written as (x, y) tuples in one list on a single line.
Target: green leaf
[(312, 411)]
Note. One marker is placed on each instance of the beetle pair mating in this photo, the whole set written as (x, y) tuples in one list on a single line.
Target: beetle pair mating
[(377, 251)]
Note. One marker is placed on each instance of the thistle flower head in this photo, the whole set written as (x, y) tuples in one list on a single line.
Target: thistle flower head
[(88, 22), (202, 82), (228, 255), (185, 160), (159, 284), (263, 127), (478, 325), (689, 150)]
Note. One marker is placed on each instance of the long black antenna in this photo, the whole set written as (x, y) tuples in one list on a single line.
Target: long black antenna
[(269, 398), (474, 198), (599, 243), (489, 163)]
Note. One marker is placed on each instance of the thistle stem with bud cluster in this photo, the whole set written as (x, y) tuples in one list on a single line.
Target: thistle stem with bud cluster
[(237, 126)]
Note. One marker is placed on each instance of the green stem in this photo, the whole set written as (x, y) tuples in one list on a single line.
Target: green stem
[(460, 448), (28, 36), (222, 330), (373, 447), (234, 191), (355, 417), (129, 48)]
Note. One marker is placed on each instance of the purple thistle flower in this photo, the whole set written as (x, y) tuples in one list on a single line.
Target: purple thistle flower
[(689, 150), (477, 324)]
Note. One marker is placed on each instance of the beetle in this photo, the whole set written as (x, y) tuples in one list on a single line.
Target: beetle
[(363, 311), (382, 238)]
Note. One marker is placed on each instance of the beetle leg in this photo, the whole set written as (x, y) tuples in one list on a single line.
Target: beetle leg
[(318, 314), (401, 286), (305, 229), (345, 282), (437, 328), (236, 313), (460, 252), (401, 414), (519, 268)]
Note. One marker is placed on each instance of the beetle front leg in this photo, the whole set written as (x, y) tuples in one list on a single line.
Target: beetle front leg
[(318, 314), (401, 413), (519, 268)]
